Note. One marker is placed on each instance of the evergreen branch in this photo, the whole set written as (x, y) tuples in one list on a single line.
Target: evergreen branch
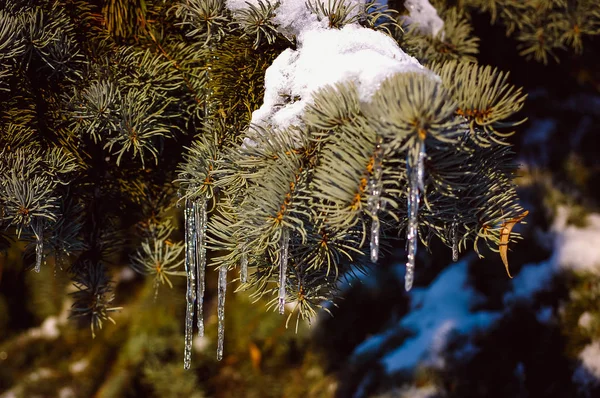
[(484, 99), (93, 297), (337, 12), (257, 21), (413, 106), (207, 18), (454, 42)]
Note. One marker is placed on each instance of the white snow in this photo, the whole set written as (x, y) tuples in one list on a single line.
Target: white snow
[(585, 320), (293, 17), (437, 312), (47, 330), (325, 57), (235, 5), (575, 249), (79, 366), (588, 373), (418, 392), (66, 392), (531, 279), (425, 16)]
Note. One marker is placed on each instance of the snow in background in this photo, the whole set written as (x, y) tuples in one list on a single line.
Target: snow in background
[(575, 249), (537, 137), (588, 373), (425, 16), (437, 312), (444, 308)]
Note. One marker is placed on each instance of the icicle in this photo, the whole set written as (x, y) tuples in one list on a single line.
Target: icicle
[(200, 242), (190, 269), (39, 246), (244, 266), (283, 259), (454, 239), (156, 286), (374, 202), (221, 311), (416, 185), (375, 225)]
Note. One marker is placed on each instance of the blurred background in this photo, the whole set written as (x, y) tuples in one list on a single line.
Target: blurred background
[(465, 330)]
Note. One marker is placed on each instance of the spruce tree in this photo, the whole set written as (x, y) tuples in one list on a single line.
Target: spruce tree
[(119, 116)]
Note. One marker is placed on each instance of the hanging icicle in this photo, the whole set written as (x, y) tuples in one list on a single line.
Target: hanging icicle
[(244, 266), (283, 259), (374, 202), (200, 246), (39, 246), (454, 238), (155, 286), (190, 269), (416, 175), (221, 311)]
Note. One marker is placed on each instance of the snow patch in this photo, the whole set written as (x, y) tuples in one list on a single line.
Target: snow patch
[(531, 279), (47, 330), (418, 392), (293, 17), (425, 16), (544, 315), (66, 392), (575, 249), (325, 57), (588, 373), (437, 312), (585, 320), (79, 366)]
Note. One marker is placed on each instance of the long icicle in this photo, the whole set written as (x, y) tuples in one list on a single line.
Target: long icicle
[(190, 269), (416, 185), (244, 266), (283, 259), (39, 246), (374, 202), (454, 238), (221, 311), (200, 242)]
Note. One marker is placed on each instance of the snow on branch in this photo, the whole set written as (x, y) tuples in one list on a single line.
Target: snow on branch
[(425, 15)]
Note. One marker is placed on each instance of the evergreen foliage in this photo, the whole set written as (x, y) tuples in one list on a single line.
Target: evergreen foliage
[(107, 104)]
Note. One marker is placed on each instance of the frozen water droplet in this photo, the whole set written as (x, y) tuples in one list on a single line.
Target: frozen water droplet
[(200, 246), (375, 239), (410, 275), (416, 175), (283, 260), (221, 311), (374, 201), (156, 286), (244, 267), (454, 238), (190, 269), (39, 247), (421, 167)]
